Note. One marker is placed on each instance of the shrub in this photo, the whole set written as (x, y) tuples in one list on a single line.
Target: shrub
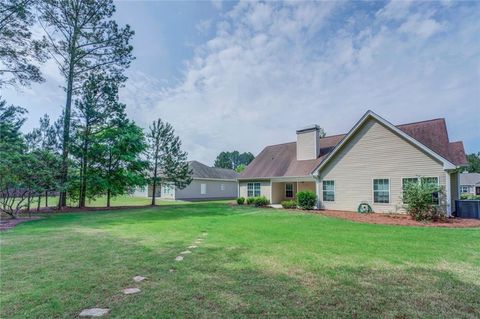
[(261, 201), (241, 200), (250, 200), (306, 199), (469, 196), (289, 204), (419, 203)]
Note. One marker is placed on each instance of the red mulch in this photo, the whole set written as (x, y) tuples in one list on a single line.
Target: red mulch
[(398, 219), (10, 223)]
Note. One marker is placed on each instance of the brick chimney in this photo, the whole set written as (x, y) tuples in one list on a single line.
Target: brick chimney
[(308, 142)]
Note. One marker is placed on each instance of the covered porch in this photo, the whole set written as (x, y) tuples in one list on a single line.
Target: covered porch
[(287, 188)]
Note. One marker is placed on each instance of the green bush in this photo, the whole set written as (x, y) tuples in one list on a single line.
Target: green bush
[(289, 204), (241, 200), (418, 201), (250, 200), (469, 196), (261, 201), (306, 199)]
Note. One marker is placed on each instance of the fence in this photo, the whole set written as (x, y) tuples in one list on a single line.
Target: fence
[(467, 208)]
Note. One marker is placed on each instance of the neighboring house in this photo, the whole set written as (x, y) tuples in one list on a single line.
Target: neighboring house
[(207, 183), (368, 164), (470, 183)]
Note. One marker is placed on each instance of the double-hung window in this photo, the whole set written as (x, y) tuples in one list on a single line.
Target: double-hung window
[(465, 189), (328, 191), (381, 191), (253, 189), (432, 181), (289, 190)]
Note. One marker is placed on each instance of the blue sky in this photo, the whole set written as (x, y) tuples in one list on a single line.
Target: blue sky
[(243, 75)]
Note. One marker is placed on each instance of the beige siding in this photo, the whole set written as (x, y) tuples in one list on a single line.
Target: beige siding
[(307, 145), (375, 152), (278, 191), (264, 188), (306, 186)]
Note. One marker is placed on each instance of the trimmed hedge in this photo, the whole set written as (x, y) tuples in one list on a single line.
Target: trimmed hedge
[(306, 199), (250, 200), (241, 200), (289, 204)]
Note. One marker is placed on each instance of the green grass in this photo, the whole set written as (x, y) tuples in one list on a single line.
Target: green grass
[(253, 263), (101, 201)]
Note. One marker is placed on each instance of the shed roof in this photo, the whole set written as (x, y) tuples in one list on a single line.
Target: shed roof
[(200, 170)]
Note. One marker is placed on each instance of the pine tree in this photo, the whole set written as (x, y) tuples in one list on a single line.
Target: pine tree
[(83, 39), (167, 160)]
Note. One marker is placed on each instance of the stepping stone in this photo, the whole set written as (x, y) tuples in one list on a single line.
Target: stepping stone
[(138, 278), (198, 241), (130, 291), (185, 252), (192, 247), (94, 312), (172, 270), (179, 258), (205, 234)]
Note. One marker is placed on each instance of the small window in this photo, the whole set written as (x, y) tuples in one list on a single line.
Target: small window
[(328, 191), (381, 191), (222, 187), (434, 182), (253, 189), (465, 189), (203, 189), (289, 190)]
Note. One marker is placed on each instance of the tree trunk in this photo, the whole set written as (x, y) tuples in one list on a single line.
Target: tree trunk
[(39, 201), (83, 182), (155, 171), (46, 198), (66, 120), (108, 197)]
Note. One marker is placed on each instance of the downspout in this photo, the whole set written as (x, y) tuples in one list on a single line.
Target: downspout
[(448, 191)]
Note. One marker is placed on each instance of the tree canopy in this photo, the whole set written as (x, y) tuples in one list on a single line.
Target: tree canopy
[(233, 159)]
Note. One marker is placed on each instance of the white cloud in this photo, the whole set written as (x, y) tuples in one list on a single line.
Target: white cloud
[(271, 69)]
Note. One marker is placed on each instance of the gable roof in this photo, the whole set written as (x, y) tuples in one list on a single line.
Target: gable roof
[(200, 170), (280, 160), (469, 178)]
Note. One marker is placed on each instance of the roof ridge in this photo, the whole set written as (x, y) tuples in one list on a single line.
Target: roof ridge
[(418, 122)]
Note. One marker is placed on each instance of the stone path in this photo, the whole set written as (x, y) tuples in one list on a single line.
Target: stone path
[(99, 312), (131, 291), (94, 312), (138, 278)]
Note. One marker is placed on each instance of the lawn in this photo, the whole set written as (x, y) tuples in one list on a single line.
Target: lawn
[(253, 263)]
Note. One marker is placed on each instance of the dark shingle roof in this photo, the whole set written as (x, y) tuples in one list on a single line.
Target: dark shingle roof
[(280, 160), (200, 170), (469, 178)]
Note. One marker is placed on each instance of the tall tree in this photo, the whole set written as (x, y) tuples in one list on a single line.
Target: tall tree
[(232, 160), (97, 109), (167, 160), (83, 39), (473, 163), (118, 161), (19, 53)]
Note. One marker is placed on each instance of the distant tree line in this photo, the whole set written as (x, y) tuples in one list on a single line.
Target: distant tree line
[(92, 149), (234, 160)]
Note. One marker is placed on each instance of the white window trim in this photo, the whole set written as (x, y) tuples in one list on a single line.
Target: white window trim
[(253, 188), (334, 191), (203, 189), (438, 185), (222, 187), (285, 193), (389, 191)]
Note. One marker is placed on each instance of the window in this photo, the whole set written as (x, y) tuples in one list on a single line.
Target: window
[(328, 191), (222, 187), (464, 189), (253, 189), (381, 191), (407, 181), (434, 182), (289, 190), (203, 189)]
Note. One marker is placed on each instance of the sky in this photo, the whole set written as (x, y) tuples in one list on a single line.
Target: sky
[(244, 75)]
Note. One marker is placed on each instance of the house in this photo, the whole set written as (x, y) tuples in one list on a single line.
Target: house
[(369, 165), (207, 183), (470, 183)]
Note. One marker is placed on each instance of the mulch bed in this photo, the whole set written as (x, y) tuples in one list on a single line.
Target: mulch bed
[(398, 219), (10, 223)]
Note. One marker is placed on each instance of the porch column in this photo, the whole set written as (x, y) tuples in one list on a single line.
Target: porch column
[(448, 191)]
